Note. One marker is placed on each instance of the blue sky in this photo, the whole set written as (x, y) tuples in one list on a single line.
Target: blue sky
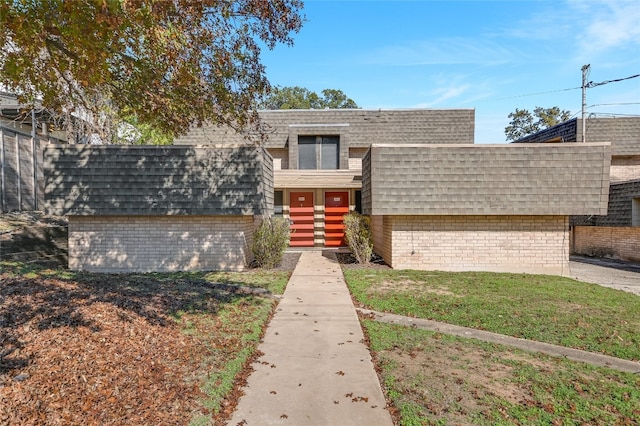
[(492, 56)]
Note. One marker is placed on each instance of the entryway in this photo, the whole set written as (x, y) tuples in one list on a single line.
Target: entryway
[(301, 215), (336, 205)]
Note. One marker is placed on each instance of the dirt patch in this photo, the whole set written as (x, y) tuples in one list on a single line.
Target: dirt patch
[(34, 237), (14, 221), (453, 382), (413, 286)]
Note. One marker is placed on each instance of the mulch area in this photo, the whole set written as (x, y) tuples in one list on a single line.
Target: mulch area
[(289, 262), (102, 349), (348, 261)]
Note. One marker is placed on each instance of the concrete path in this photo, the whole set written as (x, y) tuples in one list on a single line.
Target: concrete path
[(615, 274), (316, 369), (526, 345)]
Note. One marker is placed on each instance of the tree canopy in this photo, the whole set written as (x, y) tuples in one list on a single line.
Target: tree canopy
[(524, 123), (165, 64), (302, 98)]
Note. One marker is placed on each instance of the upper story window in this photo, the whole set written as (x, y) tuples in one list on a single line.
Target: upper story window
[(318, 152)]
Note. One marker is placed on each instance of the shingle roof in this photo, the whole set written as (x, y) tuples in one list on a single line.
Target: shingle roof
[(149, 180), (515, 179), (364, 126)]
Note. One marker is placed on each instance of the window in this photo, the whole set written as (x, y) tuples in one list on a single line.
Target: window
[(635, 212), (358, 201), (318, 152), (278, 202)]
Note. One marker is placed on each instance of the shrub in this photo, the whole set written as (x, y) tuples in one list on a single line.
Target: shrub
[(270, 240), (357, 229)]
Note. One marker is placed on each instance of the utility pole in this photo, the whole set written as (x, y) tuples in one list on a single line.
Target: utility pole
[(585, 74)]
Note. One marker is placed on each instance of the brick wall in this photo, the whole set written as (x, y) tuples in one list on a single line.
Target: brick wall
[(280, 158), (528, 244), (159, 243), (355, 157), (381, 233), (625, 168), (601, 241)]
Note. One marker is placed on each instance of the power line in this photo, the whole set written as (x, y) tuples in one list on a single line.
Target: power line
[(535, 94), (615, 104), (592, 84), (589, 85)]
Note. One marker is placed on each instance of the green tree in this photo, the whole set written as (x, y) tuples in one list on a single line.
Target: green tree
[(168, 64), (523, 123), (302, 98)]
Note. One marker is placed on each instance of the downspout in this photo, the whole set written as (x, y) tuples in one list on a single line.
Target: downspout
[(34, 159), (2, 177)]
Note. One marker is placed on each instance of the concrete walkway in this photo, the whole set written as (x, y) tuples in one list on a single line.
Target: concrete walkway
[(524, 344), (315, 368), (610, 273)]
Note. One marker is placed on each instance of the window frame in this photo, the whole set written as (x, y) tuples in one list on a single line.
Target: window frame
[(320, 143)]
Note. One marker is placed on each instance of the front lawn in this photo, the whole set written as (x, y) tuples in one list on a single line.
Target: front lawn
[(82, 348), (545, 308), (434, 379)]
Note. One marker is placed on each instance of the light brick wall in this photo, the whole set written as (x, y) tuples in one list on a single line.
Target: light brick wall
[(355, 158), (607, 241), (159, 243), (625, 168), (381, 233), (528, 244)]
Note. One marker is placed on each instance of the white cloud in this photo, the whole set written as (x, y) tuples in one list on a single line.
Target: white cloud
[(612, 24), (443, 51)]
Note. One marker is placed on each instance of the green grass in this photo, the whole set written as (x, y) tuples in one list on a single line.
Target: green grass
[(545, 308), (489, 384)]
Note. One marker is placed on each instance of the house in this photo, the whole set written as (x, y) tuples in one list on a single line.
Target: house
[(437, 201), (150, 208), (317, 158), (617, 233)]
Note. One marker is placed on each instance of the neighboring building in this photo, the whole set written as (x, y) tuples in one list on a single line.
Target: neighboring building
[(623, 133), (436, 200), (616, 234)]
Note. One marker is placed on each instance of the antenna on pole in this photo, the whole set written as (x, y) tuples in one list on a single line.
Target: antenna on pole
[(585, 74)]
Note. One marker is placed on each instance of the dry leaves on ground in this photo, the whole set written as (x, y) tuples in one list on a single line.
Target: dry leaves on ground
[(100, 350)]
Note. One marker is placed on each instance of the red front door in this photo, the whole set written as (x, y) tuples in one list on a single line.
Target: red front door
[(336, 205), (301, 214)]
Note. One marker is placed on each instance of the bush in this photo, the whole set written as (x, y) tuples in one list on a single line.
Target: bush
[(270, 240), (357, 229)]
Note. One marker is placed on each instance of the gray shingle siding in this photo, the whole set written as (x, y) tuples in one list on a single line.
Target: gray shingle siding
[(544, 179), (620, 209), (623, 133), (149, 180), (364, 127)]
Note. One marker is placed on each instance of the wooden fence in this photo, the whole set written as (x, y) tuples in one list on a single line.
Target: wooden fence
[(21, 170)]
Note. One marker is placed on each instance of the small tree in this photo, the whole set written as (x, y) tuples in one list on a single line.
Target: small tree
[(523, 123), (270, 240), (357, 229), (302, 98)]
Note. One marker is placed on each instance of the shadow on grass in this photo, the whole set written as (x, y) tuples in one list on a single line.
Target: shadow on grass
[(35, 299)]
